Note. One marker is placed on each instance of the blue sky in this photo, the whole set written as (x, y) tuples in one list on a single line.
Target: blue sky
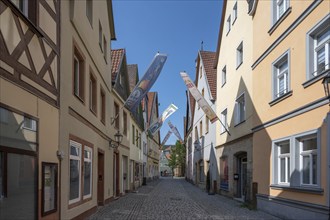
[(173, 27)]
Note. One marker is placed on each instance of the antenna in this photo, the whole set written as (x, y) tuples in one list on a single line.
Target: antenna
[(202, 46)]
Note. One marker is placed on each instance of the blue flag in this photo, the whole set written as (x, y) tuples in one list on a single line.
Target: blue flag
[(144, 85)]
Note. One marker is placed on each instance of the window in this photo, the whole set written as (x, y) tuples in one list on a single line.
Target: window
[(75, 171), (105, 48), (133, 134), (4, 113), (30, 124), (140, 141), (239, 55), (89, 11), (100, 36), (196, 133), (137, 136), (240, 109), (296, 160), (116, 115), (201, 127), (207, 124), (279, 7), (102, 108), (234, 12), (224, 177), (81, 162), (28, 8), (283, 161), (281, 76), (224, 121), (224, 76), (125, 123), (318, 54), (88, 172), (200, 72), (228, 24), (78, 75), (92, 94), (203, 92), (308, 159)]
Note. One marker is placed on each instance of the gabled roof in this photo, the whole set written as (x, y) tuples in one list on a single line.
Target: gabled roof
[(133, 77), (208, 59), (117, 57)]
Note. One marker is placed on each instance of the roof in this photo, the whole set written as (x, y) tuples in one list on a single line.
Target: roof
[(117, 56), (223, 14), (208, 59), (132, 70)]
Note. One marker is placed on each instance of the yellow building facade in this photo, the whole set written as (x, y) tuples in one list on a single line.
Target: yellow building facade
[(291, 123)]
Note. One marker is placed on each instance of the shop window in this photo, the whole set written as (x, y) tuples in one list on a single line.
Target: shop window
[(49, 188)]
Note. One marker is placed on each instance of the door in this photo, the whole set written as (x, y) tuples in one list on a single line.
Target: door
[(100, 178), (243, 179), (124, 173)]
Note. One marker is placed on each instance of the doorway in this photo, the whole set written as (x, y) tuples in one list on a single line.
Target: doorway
[(100, 179), (242, 181), (116, 187)]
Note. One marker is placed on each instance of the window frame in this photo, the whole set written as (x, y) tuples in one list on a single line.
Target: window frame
[(228, 24), (92, 93), (224, 76), (239, 55), (296, 168), (224, 121), (237, 109), (55, 168), (116, 113), (90, 160), (101, 36), (102, 105), (89, 11), (284, 58), (276, 16), (78, 78), (124, 123), (201, 127), (105, 49), (234, 12), (78, 158), (311, 67), (207, 124)]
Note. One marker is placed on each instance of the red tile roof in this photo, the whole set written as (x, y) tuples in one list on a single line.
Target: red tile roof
[(208, 59), (116, 59)]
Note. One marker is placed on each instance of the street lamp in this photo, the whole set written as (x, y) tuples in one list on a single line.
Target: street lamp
[(118, 139), (326, 83)]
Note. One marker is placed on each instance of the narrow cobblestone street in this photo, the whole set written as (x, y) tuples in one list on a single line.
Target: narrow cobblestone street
[(169, 198)]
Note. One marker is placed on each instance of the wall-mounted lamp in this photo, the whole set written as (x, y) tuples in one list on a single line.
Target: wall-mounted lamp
[(118, 139), (326, 84)]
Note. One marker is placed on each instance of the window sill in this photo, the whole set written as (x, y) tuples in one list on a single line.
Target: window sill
[(239, 65), (313, 190), (223, 84), (79, 98), (281, 98), (315, 79), (239, 123), (279, 21)]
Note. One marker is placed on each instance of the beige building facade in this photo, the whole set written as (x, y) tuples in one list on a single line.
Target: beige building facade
[(234, 101), (291, 125), (29, 109), (86, 167)]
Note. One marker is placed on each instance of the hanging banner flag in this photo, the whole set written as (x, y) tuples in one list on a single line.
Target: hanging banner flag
[(175, 131), (144, 85), (158, 124), (199, 98), (166, 138)]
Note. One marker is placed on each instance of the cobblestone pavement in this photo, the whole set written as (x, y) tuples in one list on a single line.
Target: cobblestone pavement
[(169, 198)]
